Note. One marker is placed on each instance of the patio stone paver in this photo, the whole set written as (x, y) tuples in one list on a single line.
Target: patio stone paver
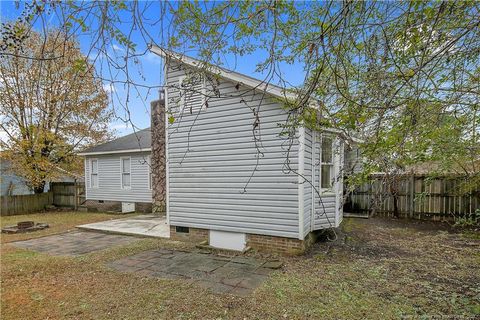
[(237, 275), (74, 243)]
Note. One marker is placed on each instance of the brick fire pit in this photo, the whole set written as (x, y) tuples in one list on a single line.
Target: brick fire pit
[(24, 226)]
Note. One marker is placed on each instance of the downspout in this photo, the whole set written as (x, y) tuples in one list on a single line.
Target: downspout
[(167, 160)]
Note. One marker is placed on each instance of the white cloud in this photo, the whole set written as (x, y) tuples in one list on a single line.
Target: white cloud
[(152, 58), (117, 48), (109, 88)]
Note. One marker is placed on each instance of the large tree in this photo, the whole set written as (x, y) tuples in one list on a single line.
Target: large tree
[(51, 105), (403, 75)]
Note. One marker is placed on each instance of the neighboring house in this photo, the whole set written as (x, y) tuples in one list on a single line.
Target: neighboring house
[(12, 185), (118, 175), (219, 188)]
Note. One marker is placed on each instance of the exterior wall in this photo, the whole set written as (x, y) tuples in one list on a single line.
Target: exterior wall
[(262, 243), (280, 245), (324, 207), (109, 178), (212, 156), (158, 164), (194, 235), (308, 173), (115, 206)]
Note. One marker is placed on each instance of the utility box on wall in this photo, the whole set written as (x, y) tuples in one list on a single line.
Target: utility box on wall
[(128, 207)]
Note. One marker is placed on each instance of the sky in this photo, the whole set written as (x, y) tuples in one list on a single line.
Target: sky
[(148, 71)]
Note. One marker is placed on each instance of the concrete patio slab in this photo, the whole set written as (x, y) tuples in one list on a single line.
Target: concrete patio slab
[(74, 243), (143, 225), (232, 275)]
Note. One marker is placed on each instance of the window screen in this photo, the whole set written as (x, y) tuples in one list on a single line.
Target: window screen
[(94, 173), (125, 173)]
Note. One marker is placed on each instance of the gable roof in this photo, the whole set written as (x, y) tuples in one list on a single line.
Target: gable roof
[(137, 141), (234, 76)]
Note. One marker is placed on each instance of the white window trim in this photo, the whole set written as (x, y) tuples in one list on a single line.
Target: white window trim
[(129, 172), (91, 173), (331, 164)]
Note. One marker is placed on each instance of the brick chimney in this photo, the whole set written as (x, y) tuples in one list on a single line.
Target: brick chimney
[(158, 160)]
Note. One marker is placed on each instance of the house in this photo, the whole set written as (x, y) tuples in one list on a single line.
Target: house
[(118, 175), (226, 178), (12, 184)]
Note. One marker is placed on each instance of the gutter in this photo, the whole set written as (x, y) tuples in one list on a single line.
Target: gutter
[(95, 153)]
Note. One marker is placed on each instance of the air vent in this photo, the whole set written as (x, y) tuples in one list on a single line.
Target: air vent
[(182, 229)]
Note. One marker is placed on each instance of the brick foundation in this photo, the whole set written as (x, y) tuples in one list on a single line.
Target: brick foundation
[(193, 235), (280, 245), (263, 243), (105, 206), (115, 206)]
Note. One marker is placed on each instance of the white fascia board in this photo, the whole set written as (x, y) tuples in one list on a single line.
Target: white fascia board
[(342, 134), (113, 152), (226, 74), (243, 79)]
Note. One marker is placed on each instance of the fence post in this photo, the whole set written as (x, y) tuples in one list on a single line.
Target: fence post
[(412, 196), (75, 200)]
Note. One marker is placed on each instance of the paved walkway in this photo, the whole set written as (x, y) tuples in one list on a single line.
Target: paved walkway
[(74, 243), (237, 275), (143, 225)]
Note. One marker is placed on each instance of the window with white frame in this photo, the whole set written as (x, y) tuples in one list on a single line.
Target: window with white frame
[(326, 161), (94, 173), (126, 172)]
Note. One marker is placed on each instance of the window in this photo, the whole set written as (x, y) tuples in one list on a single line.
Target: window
[(125, 173), (94, 173), (326, 159)]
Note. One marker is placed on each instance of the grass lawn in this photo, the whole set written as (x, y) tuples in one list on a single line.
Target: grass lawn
[(385, 269), (58, 222)]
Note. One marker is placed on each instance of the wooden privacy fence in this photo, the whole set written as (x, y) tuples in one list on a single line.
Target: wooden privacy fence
[(61, 194), (12, 205), (68, 194), (414, 196)]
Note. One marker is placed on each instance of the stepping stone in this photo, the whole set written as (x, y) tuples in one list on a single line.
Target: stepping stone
[(272, 264)]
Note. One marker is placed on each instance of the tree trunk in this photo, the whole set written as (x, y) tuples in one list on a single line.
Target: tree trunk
[(395, 206), (40, 188)]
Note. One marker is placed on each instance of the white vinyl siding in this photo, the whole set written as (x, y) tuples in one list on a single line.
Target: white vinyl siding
[(212, 156), (110, 179), (149, 163), (326, 160), (325, 204), (308, 190), (125, 171), (94, 173)]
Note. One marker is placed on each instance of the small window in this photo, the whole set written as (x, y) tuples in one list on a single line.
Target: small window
[(125, 173), (326, 178), (94, 173)]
